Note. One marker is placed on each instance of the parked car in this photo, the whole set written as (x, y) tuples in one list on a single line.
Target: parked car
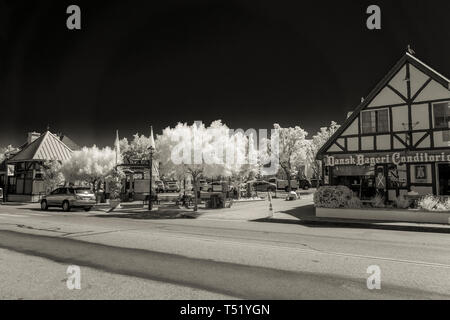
[(68, 198), (263, 186), (159, 186), (284, 184), (172, 186), (217, 185), (305, 184)]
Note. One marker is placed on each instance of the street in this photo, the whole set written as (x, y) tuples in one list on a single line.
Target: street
[(226, 254)]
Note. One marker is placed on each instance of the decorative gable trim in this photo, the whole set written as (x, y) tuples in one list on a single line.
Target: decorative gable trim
[(406, 60)]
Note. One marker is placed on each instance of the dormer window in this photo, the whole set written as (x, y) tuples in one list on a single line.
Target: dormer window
[(376, 121)]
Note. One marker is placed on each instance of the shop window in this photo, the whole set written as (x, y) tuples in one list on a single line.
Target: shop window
[(397, 176), (375, 121), (441, 112)]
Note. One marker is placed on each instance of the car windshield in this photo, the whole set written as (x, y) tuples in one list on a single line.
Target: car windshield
[(83, 191)]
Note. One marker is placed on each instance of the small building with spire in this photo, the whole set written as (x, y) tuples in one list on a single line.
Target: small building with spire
[(25, 181)]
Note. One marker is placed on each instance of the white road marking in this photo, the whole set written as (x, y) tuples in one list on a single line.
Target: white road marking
[(12, 215), (312, 251)]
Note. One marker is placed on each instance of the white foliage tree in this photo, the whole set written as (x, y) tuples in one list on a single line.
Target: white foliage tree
[(315, 144), (136, 149), (7, 152), (89, 165), (292, 150), (52, 175), (196, 150)]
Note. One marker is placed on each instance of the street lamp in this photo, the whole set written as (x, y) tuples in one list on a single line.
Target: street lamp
[(150, 206), (151, 149)]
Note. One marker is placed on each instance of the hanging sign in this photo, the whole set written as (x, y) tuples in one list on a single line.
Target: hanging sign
[(10, 170)]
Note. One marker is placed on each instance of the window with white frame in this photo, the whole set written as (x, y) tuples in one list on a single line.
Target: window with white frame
[(441, 112), (441, 118), (376, 121)]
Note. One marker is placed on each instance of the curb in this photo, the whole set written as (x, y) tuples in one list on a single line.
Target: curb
[(366, 224)]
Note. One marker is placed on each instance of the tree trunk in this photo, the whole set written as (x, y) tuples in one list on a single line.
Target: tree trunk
[(288, 175), (194, 179)]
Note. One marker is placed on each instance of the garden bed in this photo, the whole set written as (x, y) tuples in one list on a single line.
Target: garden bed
[(387, 214), (246, 200)]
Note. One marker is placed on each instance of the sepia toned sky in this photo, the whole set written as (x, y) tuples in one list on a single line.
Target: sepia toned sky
[(250, 63)]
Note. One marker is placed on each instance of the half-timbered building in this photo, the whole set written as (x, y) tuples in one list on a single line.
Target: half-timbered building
[(398, 139), (26, 184)]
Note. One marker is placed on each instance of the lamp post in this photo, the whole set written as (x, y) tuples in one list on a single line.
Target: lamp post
[(151, 149), (150, 205)]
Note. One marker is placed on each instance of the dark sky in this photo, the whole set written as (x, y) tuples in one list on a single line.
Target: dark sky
[(249, 63)]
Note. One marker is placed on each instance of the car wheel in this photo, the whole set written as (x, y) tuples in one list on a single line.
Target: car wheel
[(66, 206), (306, 187), (44, 205), (87, 209)]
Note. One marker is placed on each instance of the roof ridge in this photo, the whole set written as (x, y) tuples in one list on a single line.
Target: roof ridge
[(56, 137), (427, 66)]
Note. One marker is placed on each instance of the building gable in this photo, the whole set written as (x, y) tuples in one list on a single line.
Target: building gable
[(409, 86), (46, 147)]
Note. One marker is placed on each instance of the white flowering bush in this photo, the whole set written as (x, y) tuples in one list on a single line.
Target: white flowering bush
[(333, 197), (434, 204)]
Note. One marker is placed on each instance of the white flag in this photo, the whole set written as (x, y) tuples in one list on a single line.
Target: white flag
[(117, 147), (152, 140)]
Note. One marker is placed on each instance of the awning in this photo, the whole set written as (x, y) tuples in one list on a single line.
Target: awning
[(347, 171)]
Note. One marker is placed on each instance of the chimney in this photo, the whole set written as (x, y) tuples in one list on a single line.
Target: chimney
[(32, 136)]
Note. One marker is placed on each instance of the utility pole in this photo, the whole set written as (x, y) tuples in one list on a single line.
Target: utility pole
[(150, 204)]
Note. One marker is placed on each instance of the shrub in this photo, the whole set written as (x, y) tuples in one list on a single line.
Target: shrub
[(434, 203), (333, 197), (378, 201), (354, 203), (401, 202)]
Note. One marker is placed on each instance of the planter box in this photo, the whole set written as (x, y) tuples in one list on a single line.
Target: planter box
[(385, 215)]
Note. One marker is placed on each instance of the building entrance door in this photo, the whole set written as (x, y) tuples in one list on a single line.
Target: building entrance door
[(444, 179)]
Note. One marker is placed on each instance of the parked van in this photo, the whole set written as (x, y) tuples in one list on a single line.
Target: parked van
[(283, 184)]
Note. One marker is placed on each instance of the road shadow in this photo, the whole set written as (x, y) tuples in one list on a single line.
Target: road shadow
[(13, 204), (151, 215), (72, 210), (305, 216)]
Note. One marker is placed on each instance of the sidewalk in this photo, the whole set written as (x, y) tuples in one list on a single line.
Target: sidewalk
[(305, 215), (290, 212)]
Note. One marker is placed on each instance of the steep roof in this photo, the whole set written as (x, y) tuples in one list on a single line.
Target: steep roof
[(70, 143), (407, 57), (46, 147)]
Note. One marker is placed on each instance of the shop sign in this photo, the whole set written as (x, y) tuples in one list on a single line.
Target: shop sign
[(395, 158)]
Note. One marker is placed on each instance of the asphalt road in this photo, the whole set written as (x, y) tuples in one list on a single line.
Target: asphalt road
[(213, 258)]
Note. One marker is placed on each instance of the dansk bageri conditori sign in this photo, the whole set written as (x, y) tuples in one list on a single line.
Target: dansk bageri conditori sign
[(395, 158)]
